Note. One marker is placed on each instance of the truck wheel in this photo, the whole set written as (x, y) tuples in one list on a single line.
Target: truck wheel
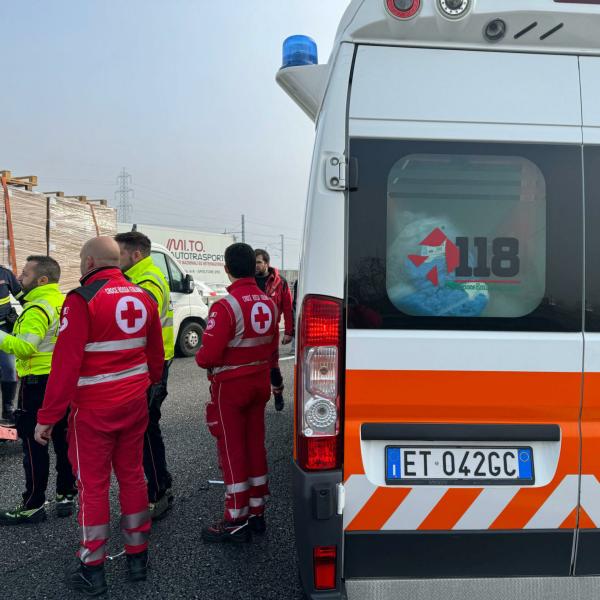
[(190, 338)]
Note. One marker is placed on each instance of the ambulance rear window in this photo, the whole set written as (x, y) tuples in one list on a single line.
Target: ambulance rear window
[(449, 235), (466, 236)]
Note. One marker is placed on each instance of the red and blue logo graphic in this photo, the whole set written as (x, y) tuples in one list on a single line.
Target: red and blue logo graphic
[(437, 239)]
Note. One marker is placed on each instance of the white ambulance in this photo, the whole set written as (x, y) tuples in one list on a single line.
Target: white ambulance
[(190, 312), (448, 373)]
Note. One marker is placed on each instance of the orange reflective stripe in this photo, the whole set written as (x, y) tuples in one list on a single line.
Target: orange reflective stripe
[(380, 507), (450, 508)]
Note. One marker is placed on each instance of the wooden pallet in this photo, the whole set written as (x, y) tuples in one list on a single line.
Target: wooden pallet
[(26, 181)]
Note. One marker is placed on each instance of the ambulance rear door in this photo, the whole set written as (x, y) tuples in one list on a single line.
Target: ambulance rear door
[(464, 342), (588, 548)]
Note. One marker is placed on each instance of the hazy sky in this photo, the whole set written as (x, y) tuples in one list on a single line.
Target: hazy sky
[(180, 92)]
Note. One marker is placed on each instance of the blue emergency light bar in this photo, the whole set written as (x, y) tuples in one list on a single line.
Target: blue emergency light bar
[(299, 50)]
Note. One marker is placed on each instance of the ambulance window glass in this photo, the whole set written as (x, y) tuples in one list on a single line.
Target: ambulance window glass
[(160, 261), (466, 236), (446, 235), (177, 277), (592, 225)]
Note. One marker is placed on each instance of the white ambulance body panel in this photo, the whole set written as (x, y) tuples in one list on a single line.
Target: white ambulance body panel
[(424, 88), (464, 95), (590, 93)]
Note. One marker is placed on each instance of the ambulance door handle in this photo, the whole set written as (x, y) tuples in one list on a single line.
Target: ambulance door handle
[(323, 501)]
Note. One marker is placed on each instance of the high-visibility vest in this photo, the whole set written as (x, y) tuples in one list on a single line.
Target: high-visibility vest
[(35, 331), (148, 276)]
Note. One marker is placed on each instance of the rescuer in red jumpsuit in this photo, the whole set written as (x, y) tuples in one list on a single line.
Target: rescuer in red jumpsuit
[(270, 281), (237, 348), (109, 350)]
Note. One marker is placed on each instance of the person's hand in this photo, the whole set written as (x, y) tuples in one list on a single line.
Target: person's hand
[(42, 433), (286, 339)]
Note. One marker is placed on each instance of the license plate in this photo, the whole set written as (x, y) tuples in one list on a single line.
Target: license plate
[(460, 465)]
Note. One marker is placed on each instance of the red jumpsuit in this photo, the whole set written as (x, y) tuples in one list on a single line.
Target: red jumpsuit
[(108, 351), (237, 349), (277, 288)]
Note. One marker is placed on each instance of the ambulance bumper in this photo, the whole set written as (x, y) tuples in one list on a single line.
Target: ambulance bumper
[(546, 588), (317, 523)]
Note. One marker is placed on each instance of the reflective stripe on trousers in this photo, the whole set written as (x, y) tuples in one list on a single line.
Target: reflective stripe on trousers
[(97, 552), (135, 528)]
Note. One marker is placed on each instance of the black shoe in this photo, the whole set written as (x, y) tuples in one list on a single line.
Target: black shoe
[(137, 566), (257, 523), (278, 401), (169, 495), (65, 505), (87, 579), (20, 515), (226, 531), (158, 510)]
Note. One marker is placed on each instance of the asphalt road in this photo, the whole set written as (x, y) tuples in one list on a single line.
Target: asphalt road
[(33, 558)]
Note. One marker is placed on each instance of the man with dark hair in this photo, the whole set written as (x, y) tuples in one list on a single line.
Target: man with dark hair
[(237, 349), (276, 287), (139, 268), (8, 315), (32, 342)]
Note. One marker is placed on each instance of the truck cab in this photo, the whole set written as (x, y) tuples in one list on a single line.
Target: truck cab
[(447, 422), (189, 309)]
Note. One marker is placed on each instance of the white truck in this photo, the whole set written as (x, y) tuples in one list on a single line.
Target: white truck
[(189, 310)]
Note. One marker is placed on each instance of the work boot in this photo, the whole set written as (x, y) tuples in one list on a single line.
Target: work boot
[(87, 579), (137, 566), (9, 390), (19, 515), (65, 505), (278, 401), (227, 531), (257, 523), (158, 510)]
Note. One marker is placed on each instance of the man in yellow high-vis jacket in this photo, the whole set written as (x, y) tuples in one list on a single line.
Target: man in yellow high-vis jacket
[(32, 342), (138, 266)]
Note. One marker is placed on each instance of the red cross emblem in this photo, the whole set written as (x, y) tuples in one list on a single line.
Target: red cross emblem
[(261, 317), (130, 314)]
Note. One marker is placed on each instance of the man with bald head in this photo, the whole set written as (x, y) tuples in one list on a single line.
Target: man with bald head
[(109, 351)]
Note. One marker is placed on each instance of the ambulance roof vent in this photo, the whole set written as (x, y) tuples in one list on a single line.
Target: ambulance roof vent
[(526, 30), (551, 31)]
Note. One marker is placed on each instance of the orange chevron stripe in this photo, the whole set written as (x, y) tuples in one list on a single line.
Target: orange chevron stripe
[(571, 521), (450, 509), (524, 505), (585, 521), (378, 509)]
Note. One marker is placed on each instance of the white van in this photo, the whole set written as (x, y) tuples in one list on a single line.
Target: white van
[(189, 310), (448, 359)]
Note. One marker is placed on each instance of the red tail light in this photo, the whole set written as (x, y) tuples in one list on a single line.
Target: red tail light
[(318, 389), (403, 9), (324, 560)]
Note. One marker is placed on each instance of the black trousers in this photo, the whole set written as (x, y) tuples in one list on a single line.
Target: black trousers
[(155, 461), (276, 378), (36, 459)]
